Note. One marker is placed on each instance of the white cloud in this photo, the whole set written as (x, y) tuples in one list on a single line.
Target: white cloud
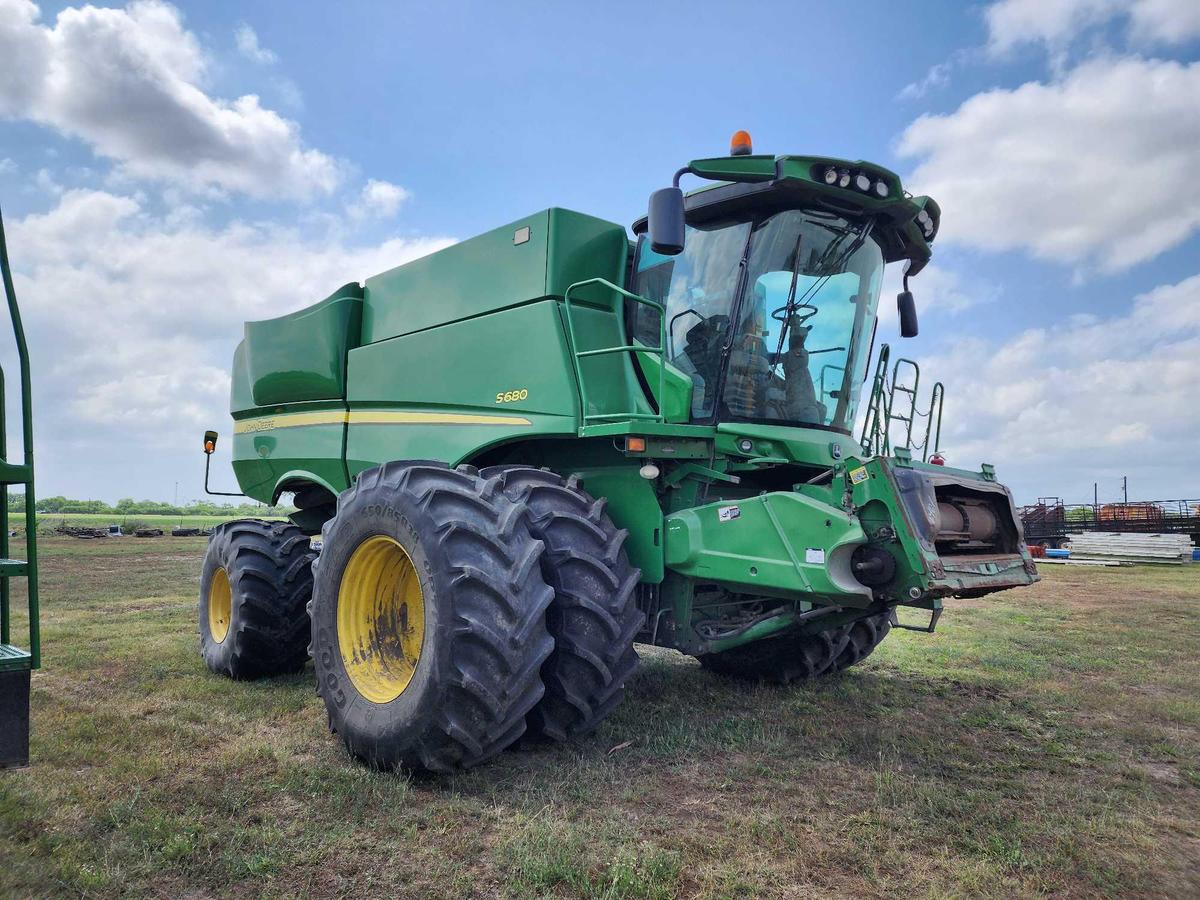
[(1097, 169), (1166, 21), (133, 318), (247, 44), (1071, 402), (128, 82), (1057, 23), (46, 184), (7, 166), (379, 199), (936, 289), (937, 76)]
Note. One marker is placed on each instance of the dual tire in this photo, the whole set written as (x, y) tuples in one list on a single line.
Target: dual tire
[(452, 611), (455, 611), (254, 586)]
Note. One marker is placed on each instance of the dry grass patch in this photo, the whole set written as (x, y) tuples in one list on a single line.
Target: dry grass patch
[(1044, 741)]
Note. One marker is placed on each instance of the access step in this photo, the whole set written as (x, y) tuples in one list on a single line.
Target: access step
[(14, 706), (11, 473), (14, 567)]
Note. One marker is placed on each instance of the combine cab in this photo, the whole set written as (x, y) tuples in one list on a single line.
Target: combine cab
[(529, 451)]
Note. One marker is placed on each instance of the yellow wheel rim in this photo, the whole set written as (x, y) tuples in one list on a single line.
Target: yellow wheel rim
[(380, 619), (220, 606)]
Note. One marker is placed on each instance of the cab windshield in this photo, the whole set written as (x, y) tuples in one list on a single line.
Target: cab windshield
[(786, 343)]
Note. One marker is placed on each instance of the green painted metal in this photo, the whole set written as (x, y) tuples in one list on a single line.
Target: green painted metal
[(23, 474), (302, 356), (512, 348), (580, 356), (673, 396), (535, 257), (782, 544), (882, 410), (14, 658)]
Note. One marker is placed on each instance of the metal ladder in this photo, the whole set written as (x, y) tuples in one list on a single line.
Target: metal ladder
[(882, 411), (16, 663)]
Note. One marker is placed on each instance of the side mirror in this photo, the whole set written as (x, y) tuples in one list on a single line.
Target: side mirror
[(908, 314), (665, 221), (210, 442)]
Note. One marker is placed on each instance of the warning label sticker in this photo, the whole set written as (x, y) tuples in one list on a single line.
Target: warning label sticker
[(728, 513), (859, 475)]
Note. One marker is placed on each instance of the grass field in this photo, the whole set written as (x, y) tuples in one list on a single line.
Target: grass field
[(1044, 741), (49, 521)]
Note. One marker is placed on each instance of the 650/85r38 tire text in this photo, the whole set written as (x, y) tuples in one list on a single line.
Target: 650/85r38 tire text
[(429, 618)]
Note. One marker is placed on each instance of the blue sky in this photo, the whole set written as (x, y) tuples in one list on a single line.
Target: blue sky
[(152, 207)]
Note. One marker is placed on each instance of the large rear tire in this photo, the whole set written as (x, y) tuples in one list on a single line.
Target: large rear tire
[(255, 585), (428, 612), (801, 657), (594, 617)]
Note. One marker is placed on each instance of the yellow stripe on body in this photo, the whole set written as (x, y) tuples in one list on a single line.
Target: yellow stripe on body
[(406, 418), (370, 417)]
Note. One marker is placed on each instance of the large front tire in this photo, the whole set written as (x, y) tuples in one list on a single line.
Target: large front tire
[(255, 585), (429, 618), (594, 617)]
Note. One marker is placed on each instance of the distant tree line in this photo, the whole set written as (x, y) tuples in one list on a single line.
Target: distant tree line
[(127, 506)]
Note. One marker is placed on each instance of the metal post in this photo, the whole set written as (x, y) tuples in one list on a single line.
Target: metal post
[(1125, 487)]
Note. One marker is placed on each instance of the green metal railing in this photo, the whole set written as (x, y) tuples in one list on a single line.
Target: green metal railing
[(882, 410), (580, 355), (18, 474)]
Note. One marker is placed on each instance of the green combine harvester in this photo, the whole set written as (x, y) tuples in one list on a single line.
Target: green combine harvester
[(529, 451)]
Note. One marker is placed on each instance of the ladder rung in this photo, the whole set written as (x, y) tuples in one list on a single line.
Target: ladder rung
[(14, 474), (13, 658), (13, 567)]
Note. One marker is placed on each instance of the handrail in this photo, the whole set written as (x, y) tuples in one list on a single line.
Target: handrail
[(881, 411), (936, 396), (27, 441), (911, 391), (874, 439), (577, 355)]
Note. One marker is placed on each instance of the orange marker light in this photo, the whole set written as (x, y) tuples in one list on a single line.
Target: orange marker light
[(739, 144), (635, 445)]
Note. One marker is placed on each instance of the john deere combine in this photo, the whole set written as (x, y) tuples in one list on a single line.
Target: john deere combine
[(531, 450)]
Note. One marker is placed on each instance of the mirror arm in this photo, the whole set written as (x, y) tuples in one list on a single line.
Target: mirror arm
[(210, 446)]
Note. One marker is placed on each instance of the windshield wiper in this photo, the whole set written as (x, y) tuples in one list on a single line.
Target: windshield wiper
[(831, 267)]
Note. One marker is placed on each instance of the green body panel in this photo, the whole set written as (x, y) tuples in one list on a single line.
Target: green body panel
[(677, 405), (629, 499), (776, 545), (492, 272), (458, 367), (302, 356), (465, 383), (273, 451)]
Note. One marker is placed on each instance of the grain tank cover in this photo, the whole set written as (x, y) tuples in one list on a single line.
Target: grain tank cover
[(535, 257), (302, 356)]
